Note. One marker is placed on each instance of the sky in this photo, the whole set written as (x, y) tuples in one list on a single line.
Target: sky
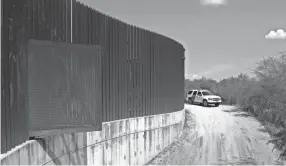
[(222, 38)]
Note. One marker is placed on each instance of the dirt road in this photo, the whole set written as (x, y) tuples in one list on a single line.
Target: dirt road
[(219, 135)]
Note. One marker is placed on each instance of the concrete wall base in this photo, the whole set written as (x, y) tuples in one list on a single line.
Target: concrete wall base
[(133, 141)]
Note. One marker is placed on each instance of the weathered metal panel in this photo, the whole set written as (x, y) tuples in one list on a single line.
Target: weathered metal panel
[(13, 75), (64, 90)]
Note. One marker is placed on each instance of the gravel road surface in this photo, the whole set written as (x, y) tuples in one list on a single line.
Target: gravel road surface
[(219, 135)]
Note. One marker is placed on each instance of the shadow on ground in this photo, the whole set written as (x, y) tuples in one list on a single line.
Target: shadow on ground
[(185, 138), (243, 114), (233, 110)]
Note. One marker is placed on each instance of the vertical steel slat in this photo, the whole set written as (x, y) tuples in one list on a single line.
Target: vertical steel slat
[(119, 65), (125, 73), (119, 78), (121, 43), (65, 22), (134, 76), (85, 24), (132, 72), (61, 20), (68, 20), (159, 77), (149, 73), (142, 66), (130, 87), (113, 59), (92, 29), (13, 58), (107, 68), (117, 83), (4, 67), (88, 27), (97, 27), (40, 19), (152, 75), (81, 24), (78, 24), (140, 73), (146, 65), (131, 97), (136, 71), (35, 28), (156, 73), (7, 6), (57, 21), (109, 71), (104, 69), (127, 70), (74, 21)]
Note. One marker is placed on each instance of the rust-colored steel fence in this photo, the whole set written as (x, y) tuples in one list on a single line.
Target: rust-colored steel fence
[(126, 72)]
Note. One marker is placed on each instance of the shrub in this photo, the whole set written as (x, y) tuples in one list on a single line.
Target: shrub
[(264, 95)]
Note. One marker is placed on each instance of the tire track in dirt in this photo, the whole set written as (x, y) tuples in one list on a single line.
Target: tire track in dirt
[(212, 136)]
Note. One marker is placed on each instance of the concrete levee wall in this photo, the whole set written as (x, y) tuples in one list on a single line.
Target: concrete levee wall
[(133, 141)]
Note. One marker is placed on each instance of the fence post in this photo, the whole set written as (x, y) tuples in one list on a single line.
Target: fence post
[(71, 21)]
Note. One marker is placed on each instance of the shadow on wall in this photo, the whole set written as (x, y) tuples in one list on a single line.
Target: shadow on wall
[(72, 150)]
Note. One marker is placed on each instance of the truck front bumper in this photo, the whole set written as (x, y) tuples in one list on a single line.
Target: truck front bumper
[(214, 102)]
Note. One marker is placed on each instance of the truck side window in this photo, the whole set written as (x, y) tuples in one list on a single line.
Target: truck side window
[(190, 92), (195, 93)]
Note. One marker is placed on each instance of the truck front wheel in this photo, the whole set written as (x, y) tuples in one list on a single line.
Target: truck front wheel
[(205, 103), (191, 101)]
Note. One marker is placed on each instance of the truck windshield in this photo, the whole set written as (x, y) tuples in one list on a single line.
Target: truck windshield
[(207, 93)]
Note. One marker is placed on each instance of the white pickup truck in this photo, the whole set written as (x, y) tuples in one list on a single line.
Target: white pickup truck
[(203, 97)]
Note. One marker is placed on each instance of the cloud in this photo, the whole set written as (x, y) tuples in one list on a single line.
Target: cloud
[(279, 34), (192, 76), (216, 69), (214, 2)]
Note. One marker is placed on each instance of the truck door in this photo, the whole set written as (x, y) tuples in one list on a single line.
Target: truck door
[(199, 97), (194, 96)]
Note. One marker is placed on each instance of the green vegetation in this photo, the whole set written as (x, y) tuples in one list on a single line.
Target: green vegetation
[(263, 95)]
